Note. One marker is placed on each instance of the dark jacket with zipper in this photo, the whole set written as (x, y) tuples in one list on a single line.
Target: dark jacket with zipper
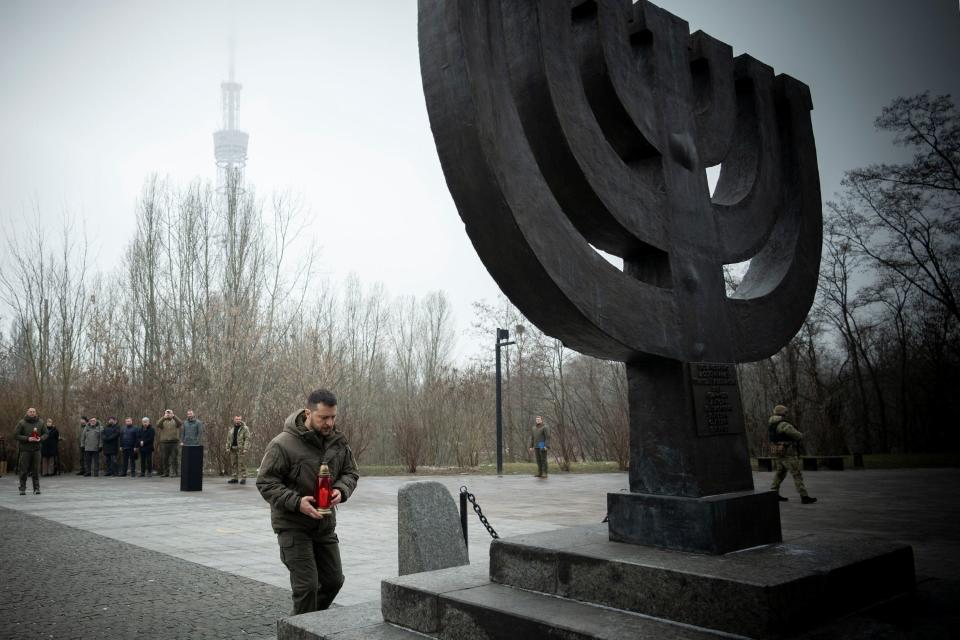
[(111, 438), (25, 429), (147, 436), (130, 437), (289, 471), (48, 447)]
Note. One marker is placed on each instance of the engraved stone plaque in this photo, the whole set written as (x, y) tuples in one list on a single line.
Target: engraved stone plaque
[(716, 398)]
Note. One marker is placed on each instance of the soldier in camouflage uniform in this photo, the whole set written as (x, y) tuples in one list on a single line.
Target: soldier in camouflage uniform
[(238, 441), (308, 541), (785, 444)]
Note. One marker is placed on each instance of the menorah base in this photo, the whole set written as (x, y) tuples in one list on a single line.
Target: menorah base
[(712, 524)]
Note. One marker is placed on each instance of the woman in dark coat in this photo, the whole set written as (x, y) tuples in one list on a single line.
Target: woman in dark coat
[(50, 451), (147, 435)]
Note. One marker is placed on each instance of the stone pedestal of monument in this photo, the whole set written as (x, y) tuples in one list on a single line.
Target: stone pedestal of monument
[(713, 524), (760, 592), (691, 488), (576, 583)]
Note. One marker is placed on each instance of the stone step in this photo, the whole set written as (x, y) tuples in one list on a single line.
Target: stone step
[(755, 592), (355, 622), (413, 601), (462, 604)]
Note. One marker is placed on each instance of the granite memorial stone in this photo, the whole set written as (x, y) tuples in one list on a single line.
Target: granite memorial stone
[(429, 529)]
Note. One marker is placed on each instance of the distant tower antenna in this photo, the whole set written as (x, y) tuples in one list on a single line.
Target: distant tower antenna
[(230, 143)]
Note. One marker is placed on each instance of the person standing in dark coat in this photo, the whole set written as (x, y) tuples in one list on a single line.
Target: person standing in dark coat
[(147, 436), (29, 433), (129, 443), (50, 451), (3, 456), (111, 446), (84, 421)]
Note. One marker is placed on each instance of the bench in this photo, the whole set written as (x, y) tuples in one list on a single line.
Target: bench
[(764, 463), (810, 463)]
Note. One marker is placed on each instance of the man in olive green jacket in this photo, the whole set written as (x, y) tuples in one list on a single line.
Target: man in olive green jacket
[(540, 442), (168, 433), (308, 541), (29, 459), (238, 442)]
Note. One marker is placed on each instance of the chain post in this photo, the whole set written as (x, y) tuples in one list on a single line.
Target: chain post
[(476, 507), (463, 515)]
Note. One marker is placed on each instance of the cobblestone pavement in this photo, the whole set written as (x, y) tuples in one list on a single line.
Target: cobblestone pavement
[(227, 527), (60, 582)]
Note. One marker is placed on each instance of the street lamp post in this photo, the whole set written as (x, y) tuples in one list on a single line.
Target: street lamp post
[(503, 335)]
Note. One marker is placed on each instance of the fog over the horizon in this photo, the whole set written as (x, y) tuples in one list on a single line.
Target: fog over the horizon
[(97, 95)]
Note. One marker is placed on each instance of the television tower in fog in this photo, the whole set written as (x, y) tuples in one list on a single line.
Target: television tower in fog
[(230, 143)]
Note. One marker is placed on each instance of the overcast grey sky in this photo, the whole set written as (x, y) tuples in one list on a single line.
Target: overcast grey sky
[(97, 94)]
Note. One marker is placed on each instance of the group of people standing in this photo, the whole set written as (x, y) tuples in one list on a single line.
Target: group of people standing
[(170, 434), (122, 446)]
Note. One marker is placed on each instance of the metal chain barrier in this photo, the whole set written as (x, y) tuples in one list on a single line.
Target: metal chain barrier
[(476, 507)]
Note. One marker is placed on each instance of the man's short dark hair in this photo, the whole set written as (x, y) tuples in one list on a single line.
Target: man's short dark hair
[(323, 396)]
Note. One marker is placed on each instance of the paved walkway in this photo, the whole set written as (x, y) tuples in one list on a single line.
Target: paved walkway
[(226, 527), (58, 582)]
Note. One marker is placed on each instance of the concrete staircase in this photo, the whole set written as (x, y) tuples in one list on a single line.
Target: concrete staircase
[(459, 603), (576, 584)]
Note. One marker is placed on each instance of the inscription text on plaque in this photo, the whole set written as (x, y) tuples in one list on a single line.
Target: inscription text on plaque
[(716, 398)]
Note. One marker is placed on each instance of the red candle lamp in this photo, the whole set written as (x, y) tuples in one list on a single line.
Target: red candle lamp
[(322, 494)]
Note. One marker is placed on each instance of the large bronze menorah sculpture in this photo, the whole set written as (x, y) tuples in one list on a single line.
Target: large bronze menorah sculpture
[(562, 125)]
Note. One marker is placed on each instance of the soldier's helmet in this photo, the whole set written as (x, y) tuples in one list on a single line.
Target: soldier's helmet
[(779, 410)]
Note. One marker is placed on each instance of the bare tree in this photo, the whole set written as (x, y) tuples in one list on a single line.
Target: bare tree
[(44, 285), (906, 217)]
